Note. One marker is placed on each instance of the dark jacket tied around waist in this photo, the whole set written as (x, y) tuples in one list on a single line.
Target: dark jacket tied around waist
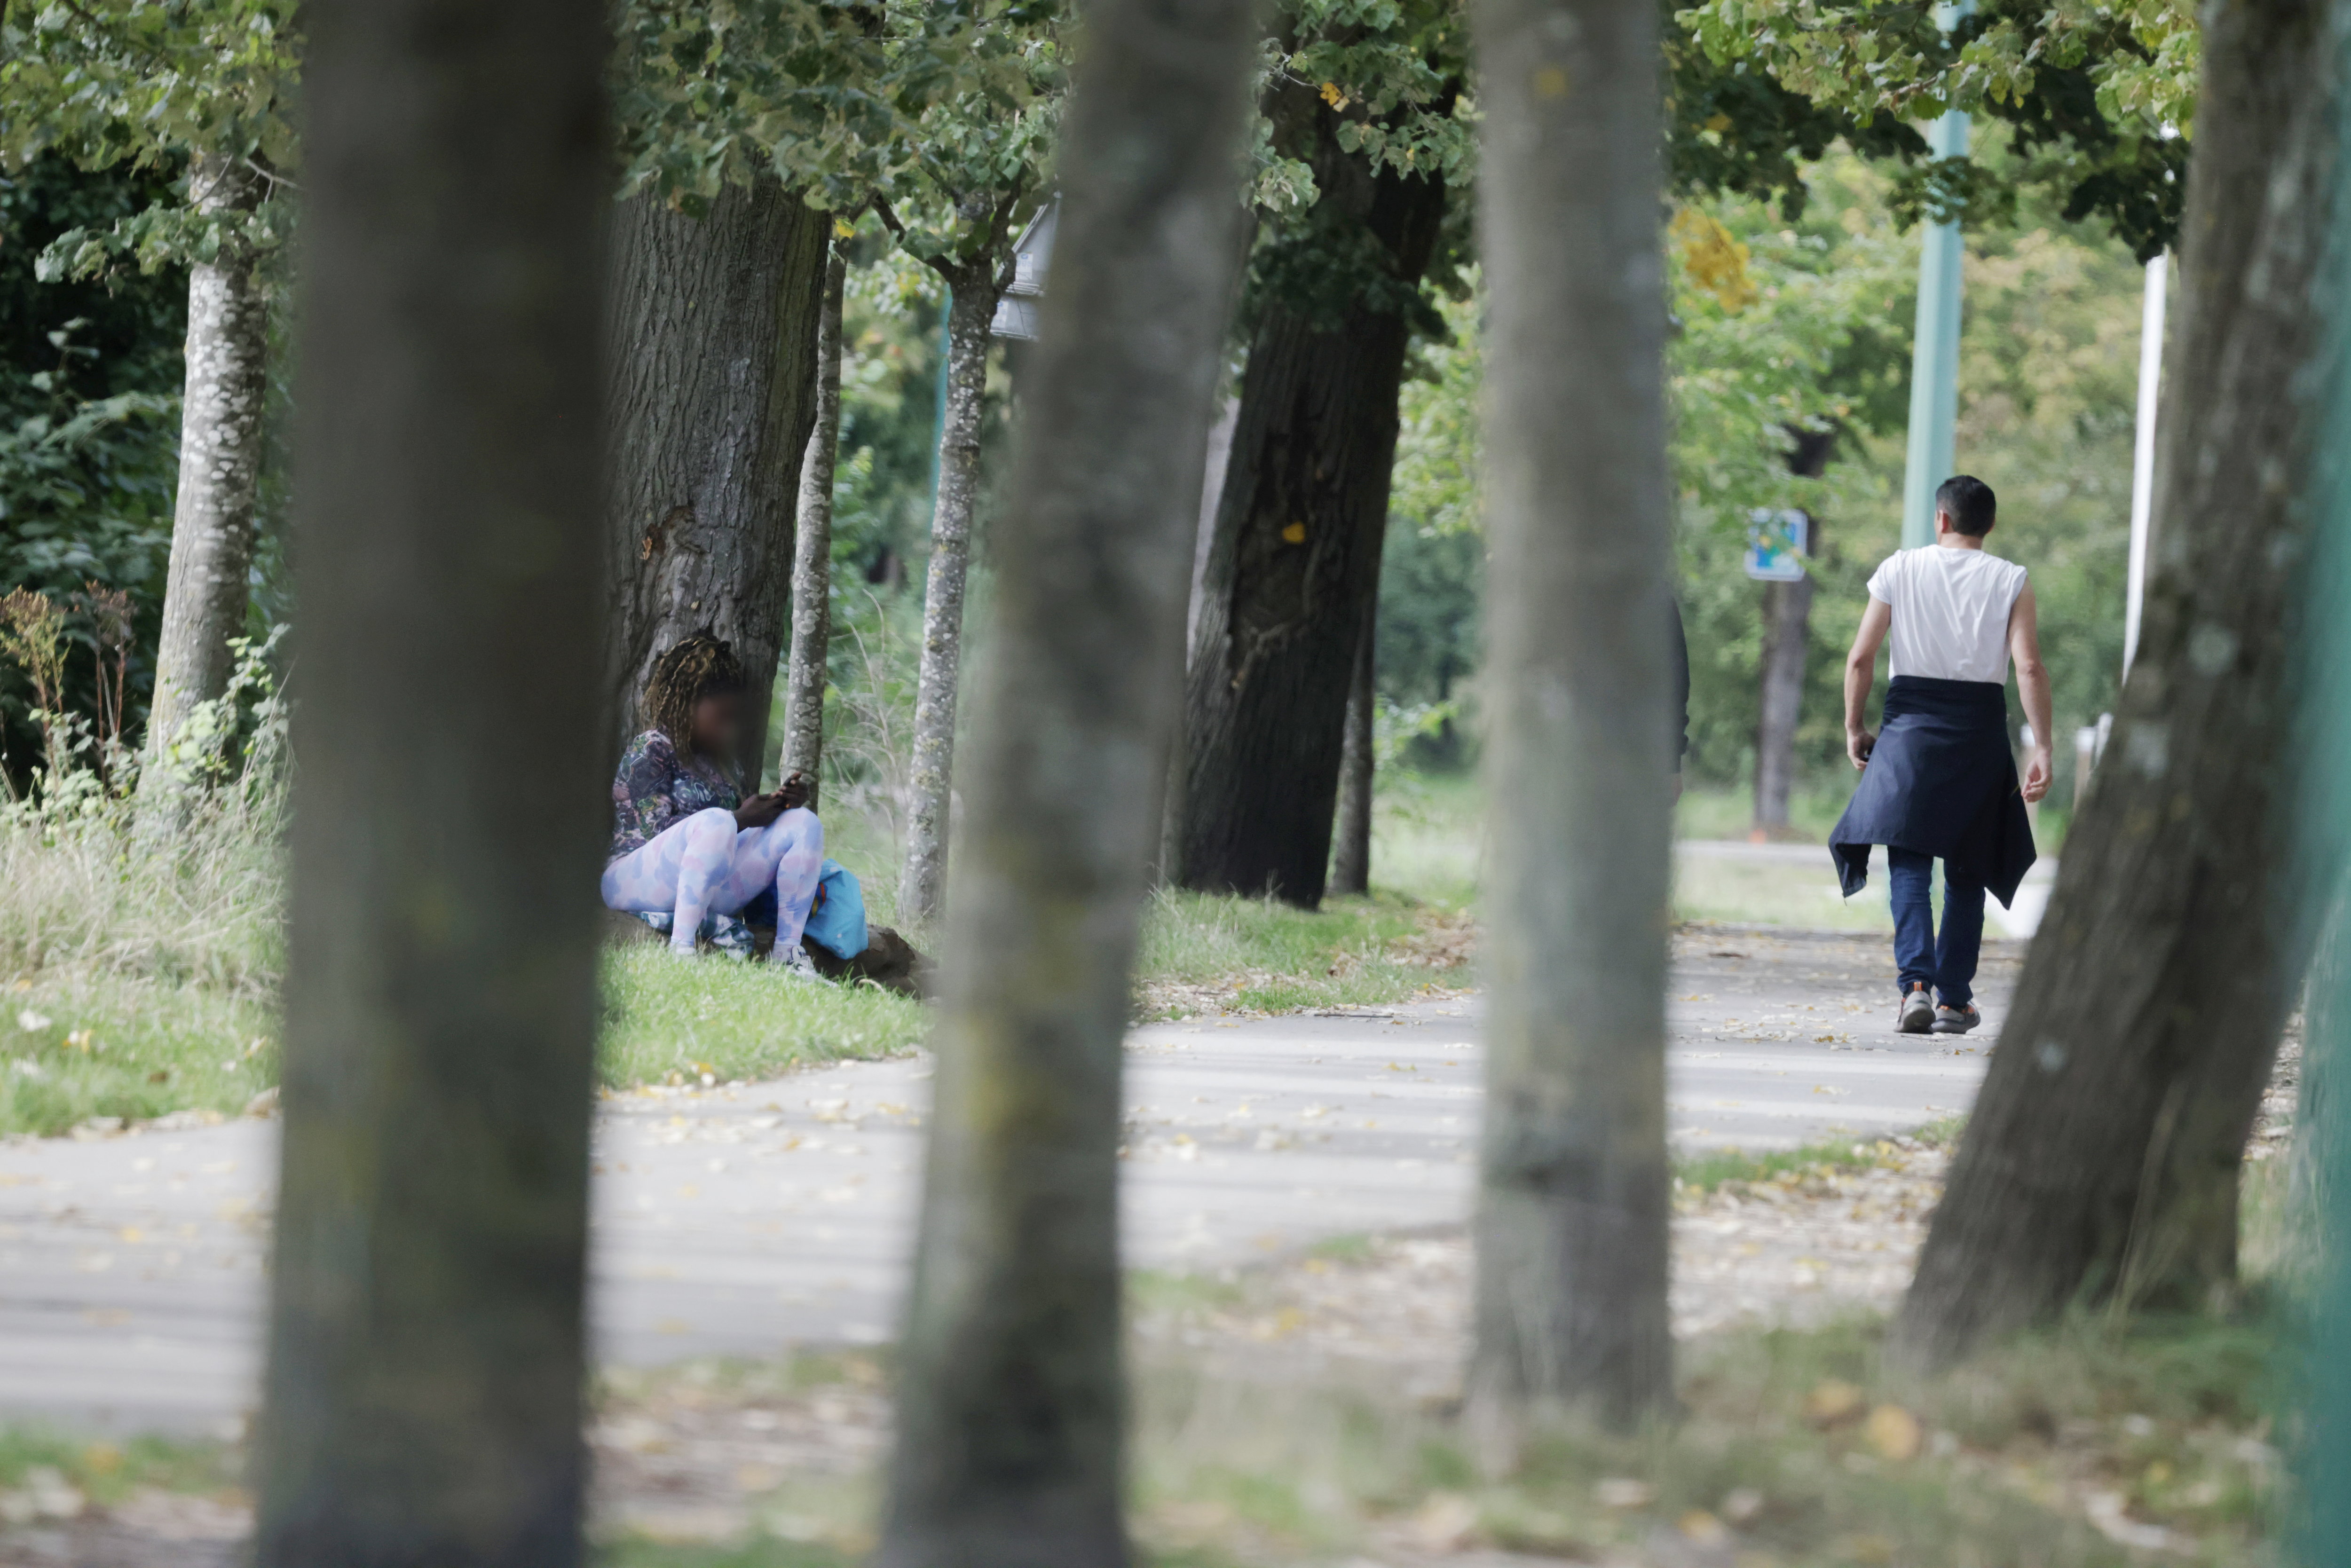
[(1941, 782)]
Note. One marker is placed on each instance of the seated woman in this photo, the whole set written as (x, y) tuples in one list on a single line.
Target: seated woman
[(685, 842)]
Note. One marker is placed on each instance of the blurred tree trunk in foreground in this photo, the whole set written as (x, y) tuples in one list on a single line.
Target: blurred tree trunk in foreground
[(422, 1401), (712, 366), (1294, 563), (220, 470), (1011, 1405), (2102, 1159), (1350, 862), (812, 550), (1571, 1229)]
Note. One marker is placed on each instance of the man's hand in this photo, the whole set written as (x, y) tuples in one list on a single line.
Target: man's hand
[(2038, 770), (1858, 745)]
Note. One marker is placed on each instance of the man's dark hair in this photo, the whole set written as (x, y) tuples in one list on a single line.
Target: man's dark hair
[(1973, 507)]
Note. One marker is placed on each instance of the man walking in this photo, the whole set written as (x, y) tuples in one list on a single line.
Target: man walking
[(1938, 782)]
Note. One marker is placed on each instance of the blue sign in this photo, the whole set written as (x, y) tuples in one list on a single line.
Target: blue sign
[(1777, 542)]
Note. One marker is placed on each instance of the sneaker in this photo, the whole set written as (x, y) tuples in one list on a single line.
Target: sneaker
[(1916, 1013), (794, 961), (1956, 1021)]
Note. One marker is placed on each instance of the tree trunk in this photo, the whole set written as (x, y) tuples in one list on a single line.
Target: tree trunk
[(220, 464), (1296, 556), (713, 393), (1787, 633), (930, 782), (422, 1398), (1571, 1227), (1350, 863), (1787, 639), (1012, 1408), (812, 552), (2103, 1156)]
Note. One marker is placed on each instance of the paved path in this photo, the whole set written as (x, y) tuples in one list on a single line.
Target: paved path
[(743, 1220)]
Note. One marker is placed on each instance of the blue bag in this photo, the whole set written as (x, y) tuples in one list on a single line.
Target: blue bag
[(836, 921)]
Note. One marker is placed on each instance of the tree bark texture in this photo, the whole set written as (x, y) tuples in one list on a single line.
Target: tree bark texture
[(1787, 640), (1011, 1407), (1296, 555), (812, 552), (228, 352), (712, 394), (930, 779), (1570, 1225), (422, 1398), (1350, 862), (2101, 1161), (1787, 635)]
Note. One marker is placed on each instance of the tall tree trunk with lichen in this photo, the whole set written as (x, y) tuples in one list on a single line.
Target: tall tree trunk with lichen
[(975, 290), (1295, 559), (427, 1344), (1011, 1403), (2102, 1157), (205, 589), (1350, 862), (712, 394), (812, 552), (1571, 1227)]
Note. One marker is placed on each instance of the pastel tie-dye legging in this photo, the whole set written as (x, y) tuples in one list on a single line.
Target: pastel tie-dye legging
[(704, 866)]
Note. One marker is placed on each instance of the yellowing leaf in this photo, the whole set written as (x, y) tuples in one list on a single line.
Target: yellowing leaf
[(1294, 534)]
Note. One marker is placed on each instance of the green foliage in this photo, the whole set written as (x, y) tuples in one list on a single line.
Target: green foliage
[(154, 85), (2102, 94)]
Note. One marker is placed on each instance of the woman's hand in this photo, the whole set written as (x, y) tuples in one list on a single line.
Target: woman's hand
[(759, 811), (794, 793)]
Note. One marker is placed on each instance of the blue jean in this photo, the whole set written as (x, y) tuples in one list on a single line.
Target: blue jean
[(1947, 963)]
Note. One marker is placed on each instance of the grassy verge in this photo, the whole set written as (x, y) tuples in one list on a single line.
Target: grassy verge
[(52, 1474), (674, 1020), (2080, 1446), (137, 983), (1719, 1168), (1201, 951)]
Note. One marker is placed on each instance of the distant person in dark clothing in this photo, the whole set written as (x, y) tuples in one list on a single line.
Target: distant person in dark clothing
[(1938, 782)]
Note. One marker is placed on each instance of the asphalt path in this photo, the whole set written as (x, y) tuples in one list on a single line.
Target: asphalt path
[(745, 1219)]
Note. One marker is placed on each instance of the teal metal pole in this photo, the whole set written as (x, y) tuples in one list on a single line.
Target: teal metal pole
[(1934, 349)]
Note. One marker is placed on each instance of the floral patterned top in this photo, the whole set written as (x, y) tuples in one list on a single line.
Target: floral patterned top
[(654, 788)]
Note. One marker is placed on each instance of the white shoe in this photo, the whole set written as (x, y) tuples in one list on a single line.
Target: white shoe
[(794, 961)]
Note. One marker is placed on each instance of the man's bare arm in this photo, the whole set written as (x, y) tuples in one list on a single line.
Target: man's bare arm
[(1860, 675), (2032, 686)]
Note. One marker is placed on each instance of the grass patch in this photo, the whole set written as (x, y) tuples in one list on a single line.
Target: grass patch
[(673, 1020), (138, 980), (1705, 1172), (1259, 955), (1793, 1447), (38, 1465)]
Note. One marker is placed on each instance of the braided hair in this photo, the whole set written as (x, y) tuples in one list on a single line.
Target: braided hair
[(696, 666)]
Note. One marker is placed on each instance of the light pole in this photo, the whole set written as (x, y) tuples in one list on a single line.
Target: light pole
[(1934, 349)]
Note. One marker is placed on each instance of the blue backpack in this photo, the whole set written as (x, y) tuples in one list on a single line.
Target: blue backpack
[(836, 921)]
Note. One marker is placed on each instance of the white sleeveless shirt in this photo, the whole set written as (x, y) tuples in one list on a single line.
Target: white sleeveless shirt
[(1950, 611)]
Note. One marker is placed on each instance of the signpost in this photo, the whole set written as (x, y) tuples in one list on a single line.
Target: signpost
[(1777, 543)]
